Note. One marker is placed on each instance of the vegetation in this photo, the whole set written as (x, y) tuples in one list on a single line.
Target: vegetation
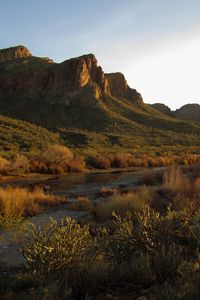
[(19, 137), (20, 202), (143, 243)]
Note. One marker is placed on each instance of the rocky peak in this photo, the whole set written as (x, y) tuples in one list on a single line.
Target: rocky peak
[(12, 53), (117, 83), (85, 71)]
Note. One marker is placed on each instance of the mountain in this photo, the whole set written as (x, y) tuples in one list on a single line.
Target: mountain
[(86, 106), (163, 109), (188, 112)]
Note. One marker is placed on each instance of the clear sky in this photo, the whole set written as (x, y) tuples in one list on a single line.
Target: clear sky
[(155, 43)]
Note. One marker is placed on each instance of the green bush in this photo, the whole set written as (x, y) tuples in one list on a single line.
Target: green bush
[(53, 251)]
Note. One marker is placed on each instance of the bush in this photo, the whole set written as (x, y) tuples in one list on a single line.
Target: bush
[(57, 159), (54, 251)]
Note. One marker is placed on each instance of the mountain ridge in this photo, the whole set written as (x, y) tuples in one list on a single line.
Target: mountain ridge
[(77, 96)]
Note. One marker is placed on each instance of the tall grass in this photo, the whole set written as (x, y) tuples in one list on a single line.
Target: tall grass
[(21, 202), (121, 204), (176, 181)]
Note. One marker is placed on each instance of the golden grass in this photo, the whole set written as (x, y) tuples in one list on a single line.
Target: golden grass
[(22, 202), (176, 181), (4, 166), (123, 203), (82, 204)]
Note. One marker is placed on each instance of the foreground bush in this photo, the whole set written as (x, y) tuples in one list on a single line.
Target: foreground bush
[(60, 255), (22, 202), (145, 250)]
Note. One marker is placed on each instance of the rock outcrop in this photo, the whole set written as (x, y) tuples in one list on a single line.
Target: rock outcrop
[(28, 80), (12, 53)]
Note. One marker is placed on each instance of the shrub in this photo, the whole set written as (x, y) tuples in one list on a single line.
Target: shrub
[(57, 159), (100, 162), (57, 154), (55, 250)]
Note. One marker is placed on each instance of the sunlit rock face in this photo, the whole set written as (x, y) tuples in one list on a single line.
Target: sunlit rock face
[(33, 86), (14, 53)]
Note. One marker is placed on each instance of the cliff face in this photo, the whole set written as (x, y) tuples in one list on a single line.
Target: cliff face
[(75, 93), (27, 76)]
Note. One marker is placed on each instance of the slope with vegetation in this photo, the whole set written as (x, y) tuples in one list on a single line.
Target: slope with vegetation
[(22, 137)]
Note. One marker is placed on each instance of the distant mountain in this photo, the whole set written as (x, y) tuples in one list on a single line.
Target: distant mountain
[(163, 109), (88, 107), (188, 112)]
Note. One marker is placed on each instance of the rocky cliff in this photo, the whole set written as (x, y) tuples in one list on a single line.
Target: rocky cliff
[(75, 94), (31, 87)]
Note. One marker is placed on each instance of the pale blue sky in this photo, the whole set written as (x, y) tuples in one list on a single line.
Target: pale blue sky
[(155, 43)]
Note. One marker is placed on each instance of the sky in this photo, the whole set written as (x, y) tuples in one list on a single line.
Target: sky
[(154, 43)]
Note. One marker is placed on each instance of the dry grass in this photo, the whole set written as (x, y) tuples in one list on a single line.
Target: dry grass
[(176, 181), (22, 202), (82, 204), (4, 166), (123, 203)]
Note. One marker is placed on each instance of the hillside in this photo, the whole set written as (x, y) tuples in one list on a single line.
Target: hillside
[(88, 107), (19, 136)]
